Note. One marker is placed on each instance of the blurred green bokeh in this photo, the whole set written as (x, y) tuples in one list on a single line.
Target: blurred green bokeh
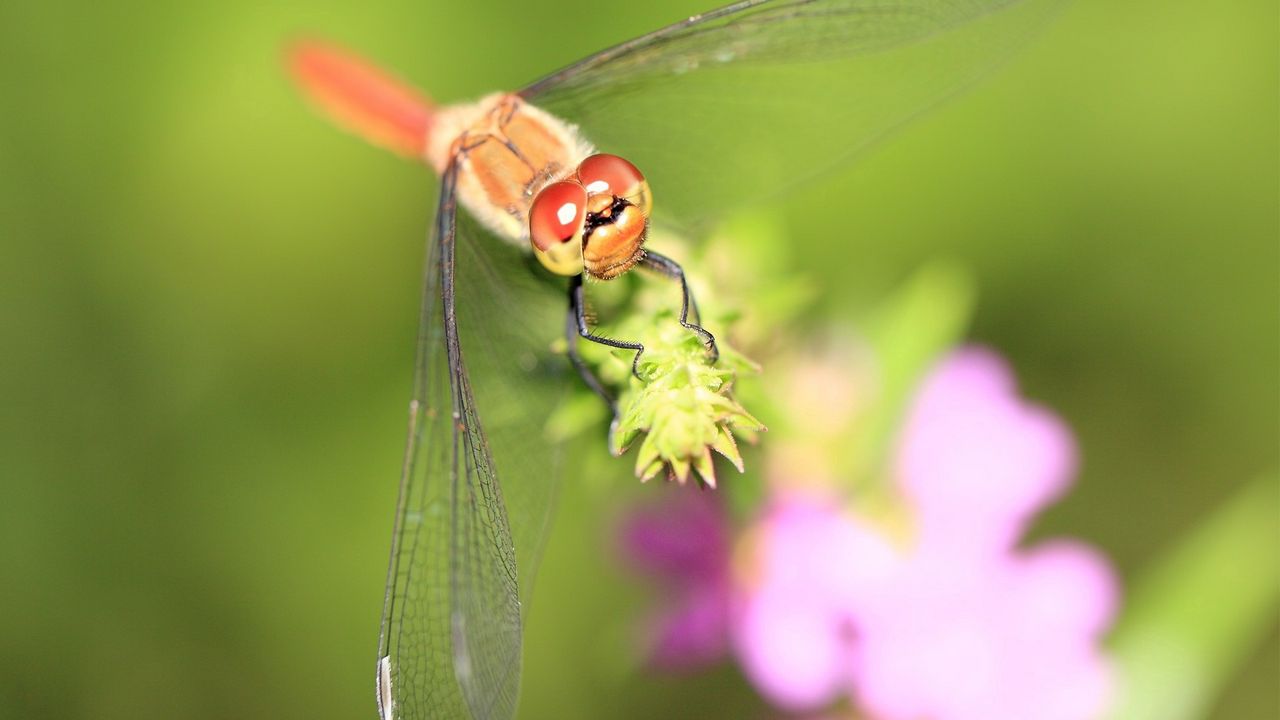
[(208, 298)]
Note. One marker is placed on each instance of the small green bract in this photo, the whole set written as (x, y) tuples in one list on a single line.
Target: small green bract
[(682, 404)]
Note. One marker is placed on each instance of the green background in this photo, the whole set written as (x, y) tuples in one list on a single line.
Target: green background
[(208, 300)]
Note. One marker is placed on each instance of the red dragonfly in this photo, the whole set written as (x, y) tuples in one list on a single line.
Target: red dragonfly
[(677, 126)]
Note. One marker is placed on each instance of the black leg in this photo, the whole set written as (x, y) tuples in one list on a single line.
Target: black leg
[(578, 318), (668, 267), (571, 337)]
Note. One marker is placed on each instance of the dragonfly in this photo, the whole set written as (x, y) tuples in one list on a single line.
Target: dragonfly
[(563, 179)]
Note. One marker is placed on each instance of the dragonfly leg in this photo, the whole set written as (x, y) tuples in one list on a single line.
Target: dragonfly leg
[(668, 267), (578, 318), (571, 337)]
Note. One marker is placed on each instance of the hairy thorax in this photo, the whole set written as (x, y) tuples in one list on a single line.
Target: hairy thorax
[(506, 151)]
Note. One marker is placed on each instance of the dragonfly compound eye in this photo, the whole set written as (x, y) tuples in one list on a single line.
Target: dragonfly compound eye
[(610, 174), (556, 226)]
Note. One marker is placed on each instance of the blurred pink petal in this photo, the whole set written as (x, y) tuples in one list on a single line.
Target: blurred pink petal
[(684, 534), (803, 534), (957, 623), (996, 643), (795, 633), (973, 629), (1066, 584), (792, 648), (976, 461), (682, 541), (693, 631)]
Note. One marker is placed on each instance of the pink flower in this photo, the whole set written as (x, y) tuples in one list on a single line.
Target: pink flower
[(958, 623), (683, 542), (796, 627), (976, 461), (1015, 639)]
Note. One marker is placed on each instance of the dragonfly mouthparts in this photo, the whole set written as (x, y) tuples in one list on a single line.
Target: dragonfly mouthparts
[(608, 214)]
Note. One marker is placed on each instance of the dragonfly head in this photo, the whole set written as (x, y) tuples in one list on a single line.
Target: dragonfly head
[(596, 222)]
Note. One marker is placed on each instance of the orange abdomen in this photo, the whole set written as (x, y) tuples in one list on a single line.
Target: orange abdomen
[(371, 103)]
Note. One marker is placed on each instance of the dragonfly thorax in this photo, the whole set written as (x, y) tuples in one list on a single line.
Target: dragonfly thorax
[(505, 151)]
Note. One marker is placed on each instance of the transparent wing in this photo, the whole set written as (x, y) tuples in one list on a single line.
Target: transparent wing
[(475, 496), (731, 106)]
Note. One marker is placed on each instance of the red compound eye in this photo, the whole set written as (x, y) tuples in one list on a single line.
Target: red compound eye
[(611, 174), (556, 219), (557, 214)]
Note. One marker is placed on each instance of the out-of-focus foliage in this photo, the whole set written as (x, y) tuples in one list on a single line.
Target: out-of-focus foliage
[(907, 334), (1195, 616), (209, 299)]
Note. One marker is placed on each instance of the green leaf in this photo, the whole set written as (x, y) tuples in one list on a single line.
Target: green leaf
[(907, 334), (1199, 613)]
